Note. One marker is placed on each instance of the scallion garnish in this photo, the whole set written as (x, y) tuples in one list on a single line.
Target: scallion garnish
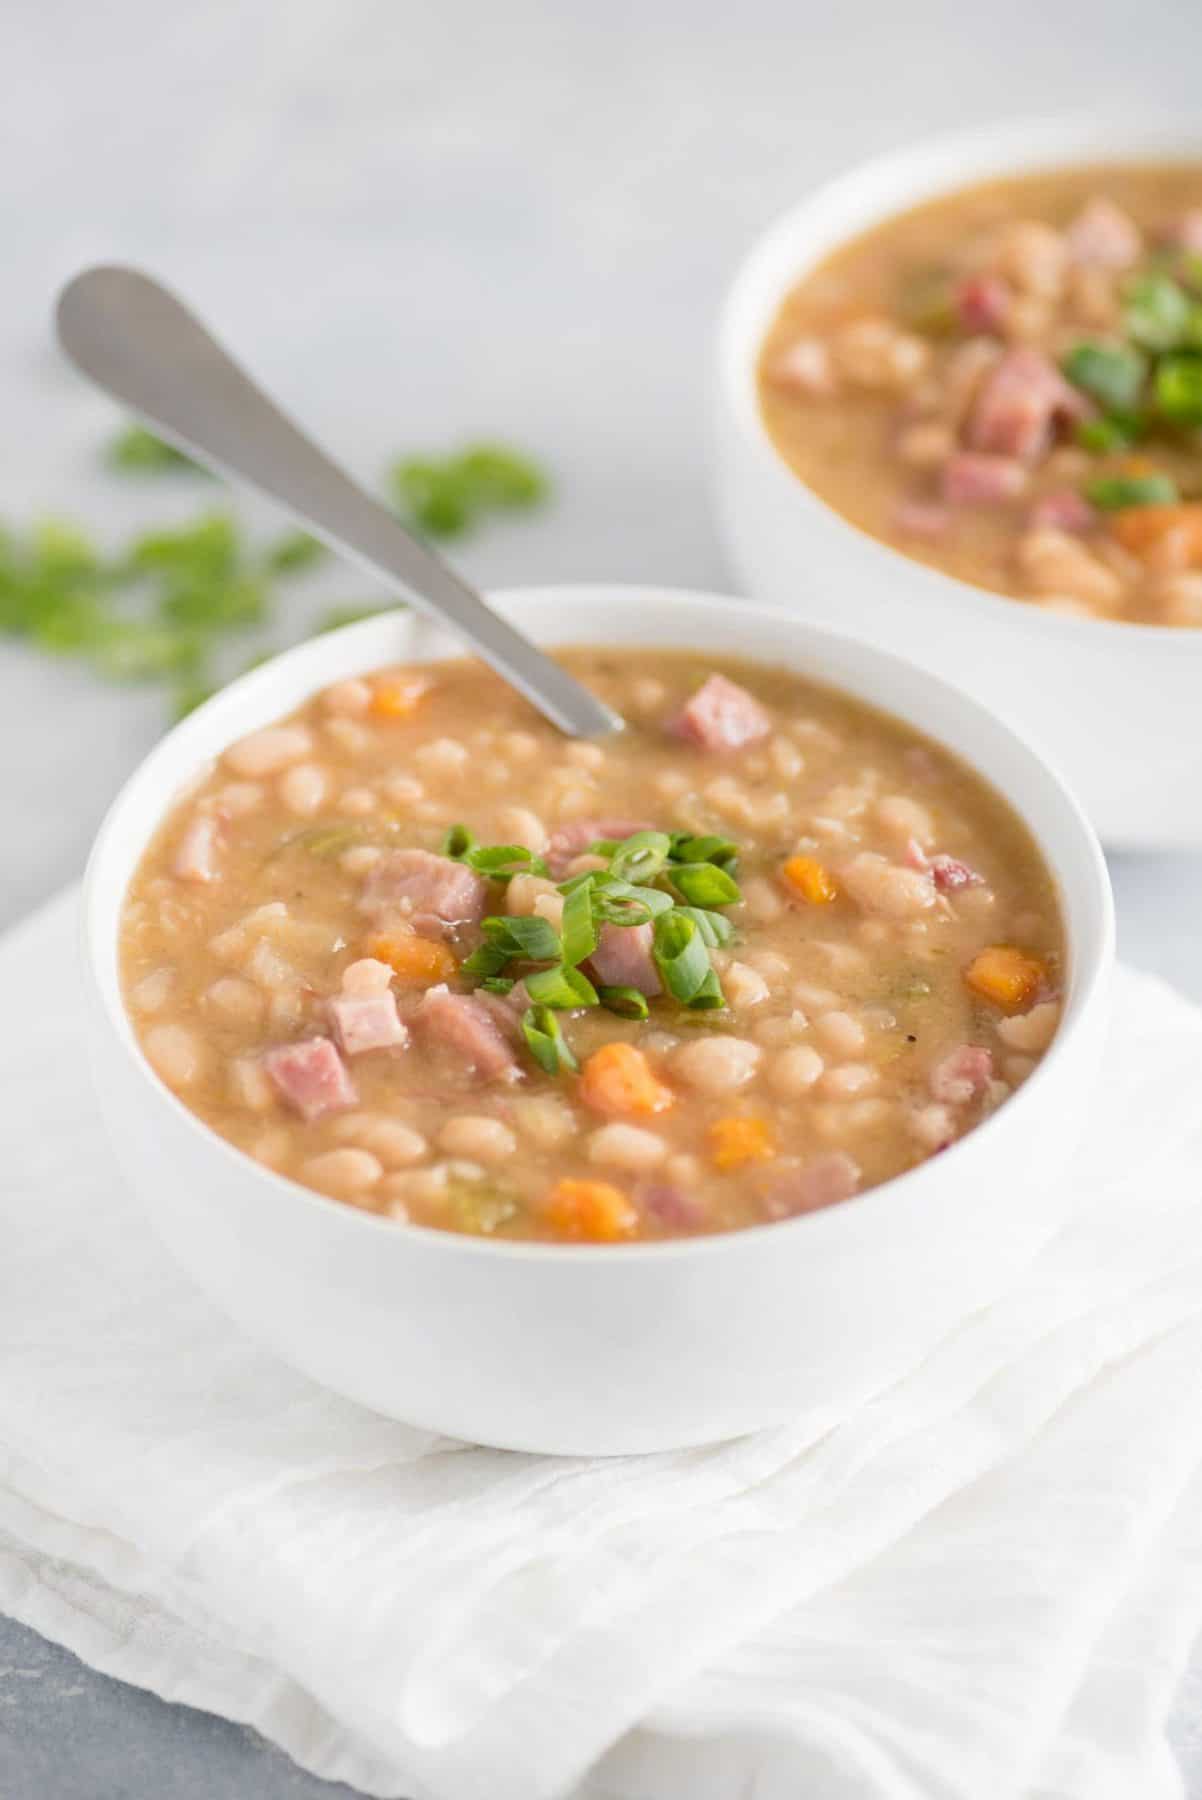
[(1178, 388), (522, 934), (546, 1042), (704, 884), (560, 987), (578, 930), (1112, 432), (627, 1002), (1111, 492), (1112, 374), (457, 842), (681, 957), (1156, 311), (640, 857), (689, 849)]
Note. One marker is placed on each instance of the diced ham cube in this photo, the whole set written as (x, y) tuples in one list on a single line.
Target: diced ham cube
[(367, 1022), (825, 1181), (623, 959), (311, 1077), (1018, 405), (721, 716), (1064, 510), (973, 479), (962, 1075), (669, 1204), (922, 519), (196, 858), (569, 840), (465, 1026), (950, 874), (983, 302), (426, 886), (1103, 236)]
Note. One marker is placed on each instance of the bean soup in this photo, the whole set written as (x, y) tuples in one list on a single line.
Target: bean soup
[(1006, 383), (763, 950)]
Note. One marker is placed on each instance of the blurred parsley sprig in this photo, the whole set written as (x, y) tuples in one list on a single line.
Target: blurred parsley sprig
[(164, 607)]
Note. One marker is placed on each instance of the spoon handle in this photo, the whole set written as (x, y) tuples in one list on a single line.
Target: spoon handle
[(134, 338)]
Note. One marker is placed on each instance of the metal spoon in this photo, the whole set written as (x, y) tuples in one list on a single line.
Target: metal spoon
[(135, 339)]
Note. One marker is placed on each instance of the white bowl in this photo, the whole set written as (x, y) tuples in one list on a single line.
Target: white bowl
[(581, 1349), (1118, 707)]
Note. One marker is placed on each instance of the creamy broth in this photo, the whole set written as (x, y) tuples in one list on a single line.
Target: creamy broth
[(872, 963), (1006, 383)]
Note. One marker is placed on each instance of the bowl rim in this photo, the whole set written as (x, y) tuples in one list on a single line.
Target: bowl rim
[(942, 164), (1087, 986)]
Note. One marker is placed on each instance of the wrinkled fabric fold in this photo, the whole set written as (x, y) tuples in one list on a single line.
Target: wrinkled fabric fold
[(980, 1585)]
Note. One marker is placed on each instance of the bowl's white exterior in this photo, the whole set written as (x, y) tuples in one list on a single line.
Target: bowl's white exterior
[(595, 1350), (1118, 707)]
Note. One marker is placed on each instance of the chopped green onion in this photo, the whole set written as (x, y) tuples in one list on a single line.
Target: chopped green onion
[(681, 956), (487, 961), (523, 935), (578, 930), (1178, 387), (640, 857), (623, 903), (1191, 270), (295, 550), (714, 928), (1112, 374), (546, 1042), (204, 551), (627, 1002), (1110, 492), (704, 884), (689, 849), (1156, 311), (1113, 431), (560, 988), (457, 842), (709, 995), (233, 604), (432, 496), (498, 984), (501, 862), (499, 477)]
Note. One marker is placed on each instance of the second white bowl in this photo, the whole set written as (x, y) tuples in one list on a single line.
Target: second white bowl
[(1118, 707)]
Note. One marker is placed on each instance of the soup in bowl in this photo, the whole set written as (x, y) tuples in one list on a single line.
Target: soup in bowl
[(489, 1075), (974, 370)]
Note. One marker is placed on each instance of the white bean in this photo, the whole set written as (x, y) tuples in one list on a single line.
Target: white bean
[(367, 975), (345, 1174), (479, 1137), (839, 1033), (518, 825), (175, 1054), (347, 699), (267, 752), (441, 757), (847, 1080), (404, 790), (397, 1145), (152, 993), (1031, 1031), (358, 802), (885, 888), (762, 901), (626, 1147), (795, 1070), (249, 1086), (241, 1002), (350, 737), (743, 985), (545, 1122), (932, 1126), (903, 819), (524, 890), (303, 788), (583, 755), (716, 1065)]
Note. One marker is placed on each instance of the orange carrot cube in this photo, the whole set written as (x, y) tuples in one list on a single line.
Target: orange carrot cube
[(594, 1210), (733, 1142), (417, 961), (396, 696), (809, 880), (618, 1079), (1006, 977)]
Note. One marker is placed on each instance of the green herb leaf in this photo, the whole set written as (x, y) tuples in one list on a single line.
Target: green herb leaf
[(136, 451), (294, 551), (1111, 492), (709, 995), (496, 476), (1112, 374), (236, 604), (689, 849), (1110, 433), (715, 929), (204, 551), (523, 935), (498, 984), (704, 884), (546, 1042), (433, 496), (561, 988), (485, 962), (1156, 311), (681, 956), (457, 842), (640, 857), (627, 1002), (501, 862), (578, 930), (1178, 386)]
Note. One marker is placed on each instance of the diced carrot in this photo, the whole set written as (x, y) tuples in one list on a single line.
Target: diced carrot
[(810, 880), (590, 1209), (417, 961), (396, 696), (618, 1079), (1149, 531), (1005, 976), (733, 1142)]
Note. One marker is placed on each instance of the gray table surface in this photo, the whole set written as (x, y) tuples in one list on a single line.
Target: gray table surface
[(422, 222)]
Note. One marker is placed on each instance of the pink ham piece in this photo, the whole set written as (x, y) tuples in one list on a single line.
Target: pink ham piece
[(1103, 236), (311, 1077), (922, 519), (367, 1022), (1018, 405), (670, 1205), (983, 302), (196, 858), (947, 872), (463, 1025), (1063, 510), (570, 840), (962, 1075), (972, 479), (1185, 233), (623, 959), (433, 889), (829, 1179), (721, 716)]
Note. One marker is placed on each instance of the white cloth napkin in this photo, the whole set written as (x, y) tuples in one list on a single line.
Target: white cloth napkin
[(980, 1586)]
